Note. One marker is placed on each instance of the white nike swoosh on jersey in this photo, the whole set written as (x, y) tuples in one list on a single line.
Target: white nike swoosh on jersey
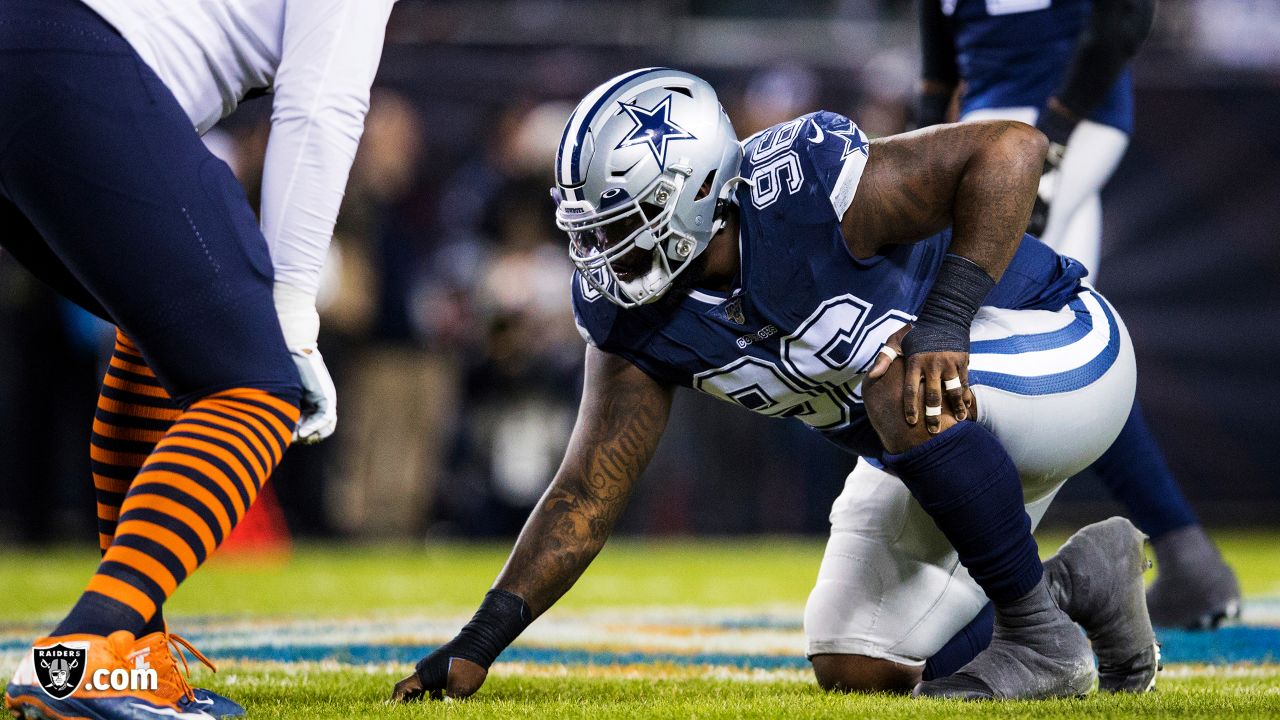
[(819, 136)]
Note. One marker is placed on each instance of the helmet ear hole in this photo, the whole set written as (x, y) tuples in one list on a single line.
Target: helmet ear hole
[(705, 190)]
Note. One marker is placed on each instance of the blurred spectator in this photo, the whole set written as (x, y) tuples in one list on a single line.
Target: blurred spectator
[(776, 95), (522, 379), (447, 324), (395, 397)]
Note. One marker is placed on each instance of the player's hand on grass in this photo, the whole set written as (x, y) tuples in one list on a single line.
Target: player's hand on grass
[(458, 668), (928, 378), (440, 675)]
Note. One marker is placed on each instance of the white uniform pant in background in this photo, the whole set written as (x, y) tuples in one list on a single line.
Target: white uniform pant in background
[(1075, 211)]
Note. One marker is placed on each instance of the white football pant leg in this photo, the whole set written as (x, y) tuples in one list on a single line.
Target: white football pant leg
[(1075, 213), (1082, 238), (890, 585)]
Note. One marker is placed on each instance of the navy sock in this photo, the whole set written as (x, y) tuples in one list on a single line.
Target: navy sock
[(1135, 472), (154, 625), (967, 483), (965, 646), (97, 614)]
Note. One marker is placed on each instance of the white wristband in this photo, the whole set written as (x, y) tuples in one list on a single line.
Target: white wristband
[(298, 317)]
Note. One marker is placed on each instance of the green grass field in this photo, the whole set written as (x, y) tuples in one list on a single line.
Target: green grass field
[(346, 594)]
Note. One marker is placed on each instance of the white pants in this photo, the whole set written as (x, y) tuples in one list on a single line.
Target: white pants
[(1075, 215), (1055, 388)]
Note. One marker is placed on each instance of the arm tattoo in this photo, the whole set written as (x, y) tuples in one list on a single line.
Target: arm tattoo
[(980, 177), (621, 419)]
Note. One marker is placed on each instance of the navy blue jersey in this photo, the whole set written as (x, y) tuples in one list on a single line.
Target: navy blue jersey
[(1015, 53), (805, 319)]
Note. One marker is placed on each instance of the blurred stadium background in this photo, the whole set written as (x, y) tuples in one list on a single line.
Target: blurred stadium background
[(446, 316), (449, 333)]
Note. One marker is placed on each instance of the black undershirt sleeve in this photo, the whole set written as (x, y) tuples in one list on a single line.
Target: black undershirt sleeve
[(937, 46), (1115, 32), (938, 65)]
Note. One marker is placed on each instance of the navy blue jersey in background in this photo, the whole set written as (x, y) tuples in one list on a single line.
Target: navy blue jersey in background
[(1015, 53)]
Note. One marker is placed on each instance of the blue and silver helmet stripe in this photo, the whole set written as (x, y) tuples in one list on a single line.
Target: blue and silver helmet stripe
[(568, 168)]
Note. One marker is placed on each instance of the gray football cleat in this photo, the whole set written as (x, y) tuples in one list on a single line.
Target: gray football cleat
[(1194, 588), (1096, 577), (1036, 652)]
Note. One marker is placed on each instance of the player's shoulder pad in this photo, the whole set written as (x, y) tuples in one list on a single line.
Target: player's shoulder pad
[(830, 147), (838, 150)]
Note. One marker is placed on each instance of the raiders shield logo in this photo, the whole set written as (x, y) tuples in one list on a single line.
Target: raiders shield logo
[(59, 668)]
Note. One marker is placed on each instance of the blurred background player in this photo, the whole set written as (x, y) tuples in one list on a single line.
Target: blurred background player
[(110, 196), (1062, 65)]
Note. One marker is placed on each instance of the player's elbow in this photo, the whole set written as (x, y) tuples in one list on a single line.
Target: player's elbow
[(336, 118), (1025, 143), (1019, 149)]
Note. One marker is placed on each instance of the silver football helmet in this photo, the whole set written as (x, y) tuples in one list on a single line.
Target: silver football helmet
[(643, 171)]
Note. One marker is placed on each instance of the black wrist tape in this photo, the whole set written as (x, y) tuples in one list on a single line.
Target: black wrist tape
[(501, 618), (956, 295), (1115, 32)]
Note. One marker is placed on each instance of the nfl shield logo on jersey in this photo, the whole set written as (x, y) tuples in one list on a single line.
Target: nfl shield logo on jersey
[(59, 668), (733, 311)]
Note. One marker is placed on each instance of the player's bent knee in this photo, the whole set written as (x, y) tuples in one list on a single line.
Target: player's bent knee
[(883, 401), (861, 673)]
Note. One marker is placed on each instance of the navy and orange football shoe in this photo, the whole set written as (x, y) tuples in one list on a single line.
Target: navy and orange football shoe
[(159, 647)]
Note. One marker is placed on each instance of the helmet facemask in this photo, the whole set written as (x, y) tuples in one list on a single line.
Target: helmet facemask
[(646, 163), (630, 251)]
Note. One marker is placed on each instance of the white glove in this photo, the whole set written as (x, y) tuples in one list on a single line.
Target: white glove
[(301, 325), (319, 397)]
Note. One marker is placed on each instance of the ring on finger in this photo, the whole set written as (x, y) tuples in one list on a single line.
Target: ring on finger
[(932, 410), (952, 384)]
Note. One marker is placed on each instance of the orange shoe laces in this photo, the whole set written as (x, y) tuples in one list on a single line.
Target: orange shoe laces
[(179, 643)]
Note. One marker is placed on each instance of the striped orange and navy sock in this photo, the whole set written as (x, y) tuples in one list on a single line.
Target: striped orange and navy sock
[(192, 488), (134, 412)]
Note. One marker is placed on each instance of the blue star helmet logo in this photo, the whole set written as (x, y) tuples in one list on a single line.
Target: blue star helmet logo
[(654, 128)]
